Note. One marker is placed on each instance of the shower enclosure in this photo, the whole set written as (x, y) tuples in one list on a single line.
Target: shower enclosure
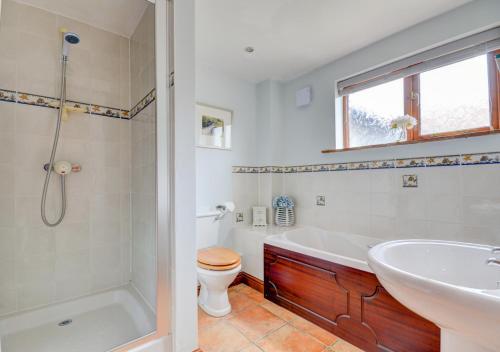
[(78, 227)]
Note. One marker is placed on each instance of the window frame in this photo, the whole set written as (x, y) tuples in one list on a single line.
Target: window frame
[(412, 107)]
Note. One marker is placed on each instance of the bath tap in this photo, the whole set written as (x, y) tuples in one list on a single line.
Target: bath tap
[(493, 261)]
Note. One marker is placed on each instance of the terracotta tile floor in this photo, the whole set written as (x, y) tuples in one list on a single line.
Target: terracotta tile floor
[(258, 325)]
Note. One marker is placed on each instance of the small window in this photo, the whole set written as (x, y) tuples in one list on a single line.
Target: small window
[(453, 100), (455, 97), (371, 111)]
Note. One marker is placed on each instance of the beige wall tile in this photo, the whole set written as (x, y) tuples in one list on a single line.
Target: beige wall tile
[(92, 249), (450, 203)]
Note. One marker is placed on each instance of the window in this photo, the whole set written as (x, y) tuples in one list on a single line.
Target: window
[(447, 100), (455, 97), (370, 113)]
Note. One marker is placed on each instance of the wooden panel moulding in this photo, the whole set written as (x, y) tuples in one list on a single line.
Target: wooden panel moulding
[(350, 303)]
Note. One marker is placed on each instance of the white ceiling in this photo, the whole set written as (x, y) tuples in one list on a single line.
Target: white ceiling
[(292, 37), (116, 16)]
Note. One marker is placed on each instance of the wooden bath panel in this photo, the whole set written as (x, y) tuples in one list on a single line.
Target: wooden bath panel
[(350, 303)]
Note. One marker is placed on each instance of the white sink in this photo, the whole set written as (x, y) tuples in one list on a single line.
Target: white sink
[(448, 283)]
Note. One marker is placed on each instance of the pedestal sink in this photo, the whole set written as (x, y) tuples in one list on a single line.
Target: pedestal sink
[(455, 285)]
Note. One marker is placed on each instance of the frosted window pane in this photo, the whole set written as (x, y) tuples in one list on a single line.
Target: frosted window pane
[(371, 111), (455, 97)]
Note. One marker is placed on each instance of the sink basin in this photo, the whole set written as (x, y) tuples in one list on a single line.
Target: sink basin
[(448, 283)]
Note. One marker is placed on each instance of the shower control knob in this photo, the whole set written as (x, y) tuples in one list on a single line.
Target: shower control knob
[(76, 167), (62, 167)]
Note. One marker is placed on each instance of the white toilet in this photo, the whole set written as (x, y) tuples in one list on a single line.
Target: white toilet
[(217, 267)]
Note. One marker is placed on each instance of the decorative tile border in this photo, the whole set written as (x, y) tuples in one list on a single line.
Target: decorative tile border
[(485, 158), (78, 105), (338, 167), (415, 162), (382, 164), (450, 160), (320, 168), (8, 96), (91, 109), (358, 166), (143, 103), (105, 111), (37, 100), (434, 161)]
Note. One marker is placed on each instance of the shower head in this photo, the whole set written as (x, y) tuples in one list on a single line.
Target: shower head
[(68, 39)]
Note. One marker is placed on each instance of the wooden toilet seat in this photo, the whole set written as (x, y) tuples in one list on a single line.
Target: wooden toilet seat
[(218, 259)]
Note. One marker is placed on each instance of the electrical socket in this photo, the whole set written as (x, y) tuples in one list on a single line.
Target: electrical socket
[(239, 217), (320, 201)]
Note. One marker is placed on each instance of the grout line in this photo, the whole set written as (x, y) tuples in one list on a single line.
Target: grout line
[(272, 331), (290, 325), (269, 332), (251, 344), (327, 348)]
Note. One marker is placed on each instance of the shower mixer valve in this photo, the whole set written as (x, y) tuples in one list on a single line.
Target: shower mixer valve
[(63, 168)]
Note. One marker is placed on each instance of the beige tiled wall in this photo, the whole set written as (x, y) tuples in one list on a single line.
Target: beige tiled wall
[(30, 44), (90, 250), (144, 204), (144, 161), (451, 203), (251, 190), (142, 56)]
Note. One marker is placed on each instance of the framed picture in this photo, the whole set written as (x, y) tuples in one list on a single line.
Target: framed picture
[(213, 127)]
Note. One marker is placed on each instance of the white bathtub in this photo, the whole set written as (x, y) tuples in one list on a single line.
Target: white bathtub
[(341, 248)]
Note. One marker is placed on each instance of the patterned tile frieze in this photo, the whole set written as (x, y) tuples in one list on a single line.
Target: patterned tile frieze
[(413, 162), (143, 103), (8, 96), (105, 111), (91, 109), (450, 160), (38, 100), (484, 158), (432, 161)]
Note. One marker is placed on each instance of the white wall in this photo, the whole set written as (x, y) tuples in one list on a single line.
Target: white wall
[(450, 203), (309, 130), (185, 309), (213, 166), (270, 106)]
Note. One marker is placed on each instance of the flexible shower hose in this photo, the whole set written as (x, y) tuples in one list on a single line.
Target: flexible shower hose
[(53, 155)]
